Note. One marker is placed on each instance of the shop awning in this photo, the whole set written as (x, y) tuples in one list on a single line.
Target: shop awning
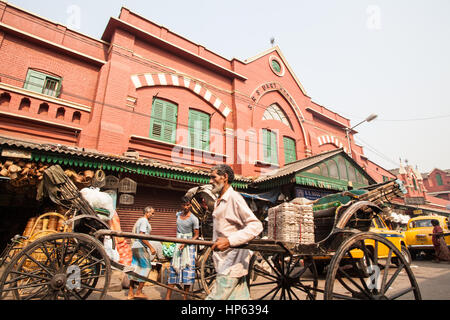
[(77, 158), (330, 170)]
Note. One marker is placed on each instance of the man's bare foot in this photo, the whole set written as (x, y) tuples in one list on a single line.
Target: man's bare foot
[(141, 296), (130, 296)]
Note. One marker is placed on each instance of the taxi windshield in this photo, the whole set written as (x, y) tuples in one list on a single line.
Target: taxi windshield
[(421, 223)]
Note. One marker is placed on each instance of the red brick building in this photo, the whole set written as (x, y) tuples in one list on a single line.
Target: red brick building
[(437, 183), (182, 107), (418, 200)]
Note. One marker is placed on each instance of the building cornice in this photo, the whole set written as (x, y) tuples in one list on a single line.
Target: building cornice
[(50, 44), (151, 38)]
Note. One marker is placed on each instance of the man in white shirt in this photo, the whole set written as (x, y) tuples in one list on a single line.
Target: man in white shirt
[(234, 225)]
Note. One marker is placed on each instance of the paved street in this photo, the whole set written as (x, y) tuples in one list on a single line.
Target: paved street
[(433, 280)]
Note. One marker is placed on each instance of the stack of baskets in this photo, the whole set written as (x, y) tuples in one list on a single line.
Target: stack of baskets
[(292, 222)]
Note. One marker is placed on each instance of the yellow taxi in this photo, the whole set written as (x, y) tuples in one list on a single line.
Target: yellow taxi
[(418, 233), (379, 227)]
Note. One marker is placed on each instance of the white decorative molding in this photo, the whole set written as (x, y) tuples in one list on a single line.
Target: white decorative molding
[(327, 139), (178, 80)]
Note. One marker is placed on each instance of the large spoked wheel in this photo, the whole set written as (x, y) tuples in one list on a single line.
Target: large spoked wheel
[(282, 277), (65, 266), (357, 272), (207, 271)]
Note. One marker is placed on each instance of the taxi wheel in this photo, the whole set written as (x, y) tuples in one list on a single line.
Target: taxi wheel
[(405, 254)]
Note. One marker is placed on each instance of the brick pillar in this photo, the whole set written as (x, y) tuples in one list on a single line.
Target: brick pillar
[(115, 121)]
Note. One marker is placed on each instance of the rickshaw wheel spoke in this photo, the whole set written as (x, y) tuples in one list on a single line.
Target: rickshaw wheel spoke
[(278, 275), (41, 269), (366, 268)]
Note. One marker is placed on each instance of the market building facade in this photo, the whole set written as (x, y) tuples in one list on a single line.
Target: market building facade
[(146, 104)]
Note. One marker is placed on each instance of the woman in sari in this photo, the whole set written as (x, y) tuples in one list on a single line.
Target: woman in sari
[(440, 247)]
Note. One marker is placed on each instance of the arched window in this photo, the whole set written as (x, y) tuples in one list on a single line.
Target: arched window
[(359, 178), (274, 112), (324, 170), (315, 170), (43, 109), (333, 169), (60, 113), (25, 104), (352, 174), (76, 118), (5, 98), (342, 169)]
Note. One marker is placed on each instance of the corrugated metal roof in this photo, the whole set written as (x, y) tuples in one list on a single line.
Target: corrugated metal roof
[(296, 166), (98, 156)]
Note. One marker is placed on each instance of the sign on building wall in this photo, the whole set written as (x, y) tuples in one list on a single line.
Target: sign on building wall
[(415, 200), (310, 194)]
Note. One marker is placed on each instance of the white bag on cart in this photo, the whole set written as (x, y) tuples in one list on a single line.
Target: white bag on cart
[(99, 200), (113, 254)]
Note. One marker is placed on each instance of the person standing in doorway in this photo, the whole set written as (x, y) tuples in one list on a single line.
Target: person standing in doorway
[(182, 268), (141, 260), (234, 224)]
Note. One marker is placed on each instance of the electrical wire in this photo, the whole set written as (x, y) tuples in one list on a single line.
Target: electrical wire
[(378, 153)]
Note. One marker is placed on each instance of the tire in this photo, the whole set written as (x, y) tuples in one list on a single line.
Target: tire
[(380, 284), (406, 255), (207, 271), (63, 266)]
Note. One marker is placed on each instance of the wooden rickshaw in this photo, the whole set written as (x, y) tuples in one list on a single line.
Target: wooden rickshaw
[(74, 265)]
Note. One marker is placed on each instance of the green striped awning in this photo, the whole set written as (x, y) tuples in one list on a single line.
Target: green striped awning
[(314, 182), (145, 169)]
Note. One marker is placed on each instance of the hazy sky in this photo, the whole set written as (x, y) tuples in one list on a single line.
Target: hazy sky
[(355, 57)]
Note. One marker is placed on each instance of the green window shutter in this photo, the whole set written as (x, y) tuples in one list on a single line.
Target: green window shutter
[(270, 147), (266, 146), (35, 81), (290, 154), (170, 124), (439, 179), (42, 83), (163, 123), (274, 147), (157, 120), (199, 126)]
